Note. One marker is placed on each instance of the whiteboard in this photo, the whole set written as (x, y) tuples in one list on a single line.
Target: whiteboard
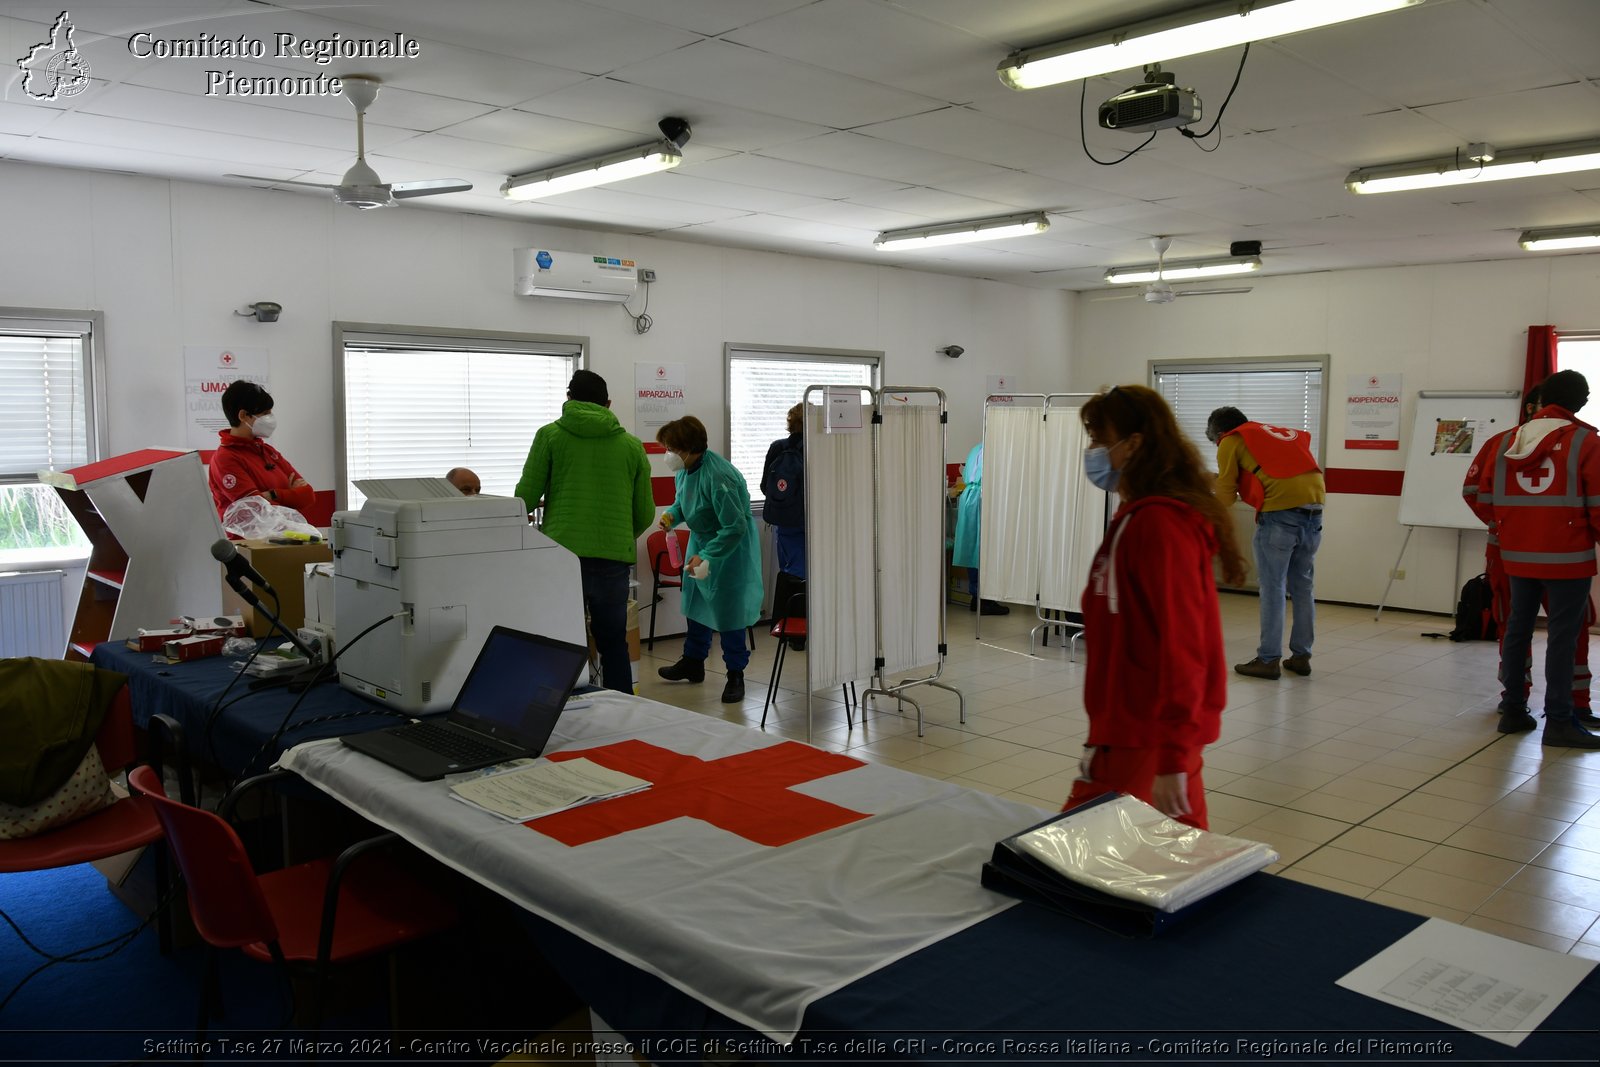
[(1448, 431)]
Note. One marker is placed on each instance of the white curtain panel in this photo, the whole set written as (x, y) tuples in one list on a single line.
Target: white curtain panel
[(841, 641), (1008, 550), (911, 496), (1071, 512)]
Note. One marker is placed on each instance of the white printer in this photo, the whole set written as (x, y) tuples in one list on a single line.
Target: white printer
[(460, 565)]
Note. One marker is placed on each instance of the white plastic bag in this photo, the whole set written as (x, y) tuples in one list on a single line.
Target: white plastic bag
[(256, 518)]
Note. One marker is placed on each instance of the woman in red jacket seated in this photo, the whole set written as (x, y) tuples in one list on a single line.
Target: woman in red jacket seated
[(1157, 674), (244, 464)]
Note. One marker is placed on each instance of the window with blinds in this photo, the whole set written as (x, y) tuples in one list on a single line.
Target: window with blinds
[(416, 405), (48, 421), (1278, 392), (763, 384)]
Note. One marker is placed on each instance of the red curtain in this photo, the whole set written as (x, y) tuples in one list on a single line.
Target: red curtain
[(1541, 356)]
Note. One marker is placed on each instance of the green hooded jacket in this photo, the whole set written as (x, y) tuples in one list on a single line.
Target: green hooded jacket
[(594, 480)]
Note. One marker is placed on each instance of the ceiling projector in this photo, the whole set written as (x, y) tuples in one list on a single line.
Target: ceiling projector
[(1154, 104)]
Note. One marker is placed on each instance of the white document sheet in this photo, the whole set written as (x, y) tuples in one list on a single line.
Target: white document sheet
[(544, 788), (1476, 981)]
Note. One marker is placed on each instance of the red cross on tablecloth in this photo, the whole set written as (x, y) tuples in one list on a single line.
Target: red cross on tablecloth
[(746, 794)]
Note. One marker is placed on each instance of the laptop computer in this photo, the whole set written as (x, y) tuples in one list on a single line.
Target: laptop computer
[(506, 709)]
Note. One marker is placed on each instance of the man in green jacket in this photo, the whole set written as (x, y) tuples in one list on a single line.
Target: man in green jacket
[(594, 480)]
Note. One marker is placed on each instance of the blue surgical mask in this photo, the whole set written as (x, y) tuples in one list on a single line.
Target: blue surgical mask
[(1097, 465)]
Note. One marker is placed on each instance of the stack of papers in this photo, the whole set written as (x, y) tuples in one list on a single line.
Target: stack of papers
[(544, 788)]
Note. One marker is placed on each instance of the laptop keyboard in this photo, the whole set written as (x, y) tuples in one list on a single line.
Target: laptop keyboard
[(452, 744)]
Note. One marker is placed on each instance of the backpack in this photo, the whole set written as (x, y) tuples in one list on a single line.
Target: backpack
[(784, 484), (1474, 613)]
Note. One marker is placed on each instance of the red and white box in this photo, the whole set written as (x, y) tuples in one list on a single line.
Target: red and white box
[(198, 647), (155, 640)]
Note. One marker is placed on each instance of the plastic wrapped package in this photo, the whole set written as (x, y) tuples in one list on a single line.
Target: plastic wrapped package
[(1128, 849), (255, 518)]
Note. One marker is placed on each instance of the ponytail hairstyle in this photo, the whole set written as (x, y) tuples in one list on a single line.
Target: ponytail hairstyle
[(1165, 463)]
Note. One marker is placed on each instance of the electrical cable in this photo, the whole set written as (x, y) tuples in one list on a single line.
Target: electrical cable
[(283, 726), (79, 955), (641, 322), (1217, 121)]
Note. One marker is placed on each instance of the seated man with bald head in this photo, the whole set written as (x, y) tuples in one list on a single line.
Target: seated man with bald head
[(464, 480)]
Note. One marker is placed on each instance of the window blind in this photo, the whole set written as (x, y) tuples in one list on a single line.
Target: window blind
[(1280, 394), (418, 407), (761, 390), (44, 421)]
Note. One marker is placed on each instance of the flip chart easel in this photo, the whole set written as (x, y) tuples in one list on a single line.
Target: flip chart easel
[(1448, 431)]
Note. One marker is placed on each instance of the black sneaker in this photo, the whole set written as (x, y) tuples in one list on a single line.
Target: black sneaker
[(733, 692), (1516, 721), (1587, 718), (991, 607), (1565, 733), (1259, 668), (1300, 665), (685, 670)]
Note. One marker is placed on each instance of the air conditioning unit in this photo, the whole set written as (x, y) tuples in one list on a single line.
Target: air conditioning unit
[(573, 275)]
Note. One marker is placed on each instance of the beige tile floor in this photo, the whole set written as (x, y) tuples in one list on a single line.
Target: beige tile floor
[(1381, 775)]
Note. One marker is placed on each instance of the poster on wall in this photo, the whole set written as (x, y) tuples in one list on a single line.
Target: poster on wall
[(207, 372), (1372, 412), (658, 396)]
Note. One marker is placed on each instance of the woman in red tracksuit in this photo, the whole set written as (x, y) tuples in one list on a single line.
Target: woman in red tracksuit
[(1157, 674)]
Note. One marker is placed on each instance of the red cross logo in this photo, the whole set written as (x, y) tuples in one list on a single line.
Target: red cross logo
[(227, 359), (1280, 433), (747, 794), (1538, 479), (1373, 382), (661, 372)]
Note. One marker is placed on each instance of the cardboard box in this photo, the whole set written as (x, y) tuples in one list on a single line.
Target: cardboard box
[(198, 647), (153, 640), (284, 567)]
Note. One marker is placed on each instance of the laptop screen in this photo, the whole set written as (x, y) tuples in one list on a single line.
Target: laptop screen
[(518, 685)]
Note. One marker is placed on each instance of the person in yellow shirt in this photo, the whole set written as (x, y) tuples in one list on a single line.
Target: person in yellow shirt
[(1272, 469)]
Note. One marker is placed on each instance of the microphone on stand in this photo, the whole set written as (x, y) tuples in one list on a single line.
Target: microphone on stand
[(239, 569)]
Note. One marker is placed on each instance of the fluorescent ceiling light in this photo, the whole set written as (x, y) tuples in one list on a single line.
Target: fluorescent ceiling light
[(618, 166), (1184, 269), (1563, 237), (1159, 40), (646, 159), (955, 233), (1458, 170)]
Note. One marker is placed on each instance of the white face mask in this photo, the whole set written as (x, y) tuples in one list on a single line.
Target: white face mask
[(263, 426), (674, 462)]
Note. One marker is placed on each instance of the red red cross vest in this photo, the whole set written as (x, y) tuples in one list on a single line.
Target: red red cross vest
[(1540, 502), (1280, 453)]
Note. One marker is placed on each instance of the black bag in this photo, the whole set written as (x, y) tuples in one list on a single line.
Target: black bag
[(1475, 612), (784, 483)]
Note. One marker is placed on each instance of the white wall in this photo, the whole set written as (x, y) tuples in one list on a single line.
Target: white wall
[(1453, 326), (168, 262)]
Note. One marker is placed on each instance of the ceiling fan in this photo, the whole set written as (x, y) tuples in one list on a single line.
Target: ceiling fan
[(1159, 291), (361, 187)]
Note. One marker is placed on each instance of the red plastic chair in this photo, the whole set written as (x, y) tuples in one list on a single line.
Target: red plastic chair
[(323, 912), (663, 575), (128, 824), (792, 625)]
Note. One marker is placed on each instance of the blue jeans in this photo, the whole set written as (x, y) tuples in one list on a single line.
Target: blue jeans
[(1286, 545), (1565, 602), (605, 594), (790, 545), (697, 645)]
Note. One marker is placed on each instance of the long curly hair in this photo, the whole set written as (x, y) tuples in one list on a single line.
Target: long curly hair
[(1166, 463)]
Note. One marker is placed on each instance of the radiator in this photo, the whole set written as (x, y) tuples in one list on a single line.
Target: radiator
[(31, 619)]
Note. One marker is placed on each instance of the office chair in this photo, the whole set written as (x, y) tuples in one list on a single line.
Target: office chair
[(319, 913), (791, 625), (663, 575), (128, 824)]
